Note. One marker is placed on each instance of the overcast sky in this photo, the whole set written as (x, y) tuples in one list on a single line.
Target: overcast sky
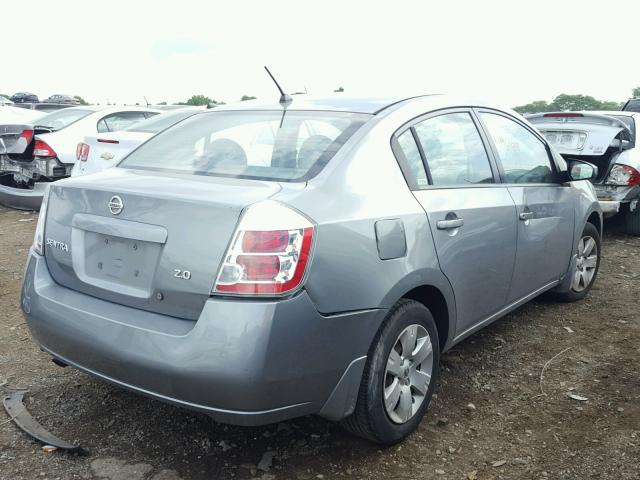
[(510, 52)]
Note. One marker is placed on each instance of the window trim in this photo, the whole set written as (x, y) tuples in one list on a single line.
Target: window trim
[(404, 166), (554, 166)]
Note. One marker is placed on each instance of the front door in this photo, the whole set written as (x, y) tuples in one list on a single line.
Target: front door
[(544, 205), (472, 219)]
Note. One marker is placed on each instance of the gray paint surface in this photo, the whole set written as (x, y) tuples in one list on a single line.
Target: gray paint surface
[(252, 361)]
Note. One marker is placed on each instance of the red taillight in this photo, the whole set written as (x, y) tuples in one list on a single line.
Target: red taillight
[(259, 274), (82, 151), (623, 175), (42, 149), (27, 135), (563, 115), (104, 140), (265, 242), (259, 267), (269, 253)]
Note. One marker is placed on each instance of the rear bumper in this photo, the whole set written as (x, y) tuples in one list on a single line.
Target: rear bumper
[(22, 198), (609, 207), (242, 362)]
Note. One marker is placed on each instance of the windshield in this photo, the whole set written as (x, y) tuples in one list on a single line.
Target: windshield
[(264, 145), (62, 118), (160, 122)]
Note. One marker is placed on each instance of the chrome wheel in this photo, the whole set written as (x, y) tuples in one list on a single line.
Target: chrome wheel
[(408, 373), (586, 263)]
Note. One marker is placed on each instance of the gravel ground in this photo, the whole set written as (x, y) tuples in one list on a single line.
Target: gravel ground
[(490, 418)]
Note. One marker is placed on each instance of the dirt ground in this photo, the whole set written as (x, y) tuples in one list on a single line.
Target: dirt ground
[(490, 419)]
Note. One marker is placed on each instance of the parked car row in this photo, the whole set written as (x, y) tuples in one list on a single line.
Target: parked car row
[(312, 256), (37, 152), (27, 97)]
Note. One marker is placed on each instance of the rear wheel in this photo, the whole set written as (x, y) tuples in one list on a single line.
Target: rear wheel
[(586, 267), (632, 220), (400, 375)]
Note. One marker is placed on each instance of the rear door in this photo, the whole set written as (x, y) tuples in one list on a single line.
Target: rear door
[(545, 208), (472, 218)]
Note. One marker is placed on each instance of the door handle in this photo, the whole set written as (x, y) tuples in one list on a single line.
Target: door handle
[(449, 224), (524, 216)]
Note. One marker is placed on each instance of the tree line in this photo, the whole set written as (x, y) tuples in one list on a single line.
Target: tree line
[(565, 102)]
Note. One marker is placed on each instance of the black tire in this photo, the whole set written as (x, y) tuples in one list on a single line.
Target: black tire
[(571, 295), (632, 221), (370, 419)]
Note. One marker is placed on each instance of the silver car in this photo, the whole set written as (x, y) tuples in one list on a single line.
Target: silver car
[(259, 263)]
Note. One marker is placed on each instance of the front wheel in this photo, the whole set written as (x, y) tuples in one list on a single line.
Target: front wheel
[(586, 266), (400, 375)]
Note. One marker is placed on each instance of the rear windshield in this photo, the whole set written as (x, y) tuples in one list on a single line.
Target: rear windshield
[(265, 145), (632, 106), (159, 122), (62, 118)]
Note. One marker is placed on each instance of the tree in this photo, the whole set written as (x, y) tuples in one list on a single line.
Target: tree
[(198, 100), (81, 100), (339, 90), (247, 97), (565, 102), (636, 92)]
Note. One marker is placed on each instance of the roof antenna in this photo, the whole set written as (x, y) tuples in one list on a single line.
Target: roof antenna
[(145, 100), (284, 98)]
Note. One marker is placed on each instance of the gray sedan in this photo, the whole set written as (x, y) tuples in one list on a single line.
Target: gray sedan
[(263, 262)]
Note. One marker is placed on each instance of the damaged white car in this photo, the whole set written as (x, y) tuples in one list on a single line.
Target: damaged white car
[(608, 141), (35, 152)]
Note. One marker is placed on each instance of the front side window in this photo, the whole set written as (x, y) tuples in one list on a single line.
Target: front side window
[(454, 150), (269, 145), (523, 156)]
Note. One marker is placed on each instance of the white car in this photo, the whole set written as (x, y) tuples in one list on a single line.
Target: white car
[(9, 114), (5, 101), (102, 151), (44, 150), (606, 139)]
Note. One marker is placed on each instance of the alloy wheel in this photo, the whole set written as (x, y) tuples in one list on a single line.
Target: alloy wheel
[(408, 373), (586, 264)]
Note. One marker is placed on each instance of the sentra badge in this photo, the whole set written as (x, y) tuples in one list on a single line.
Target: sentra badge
[(56, 244)]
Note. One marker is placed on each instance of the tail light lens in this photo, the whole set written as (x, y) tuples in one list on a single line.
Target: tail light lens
[(42, 149), (27, 135), (269, 254), (623, 175), (82, 151)]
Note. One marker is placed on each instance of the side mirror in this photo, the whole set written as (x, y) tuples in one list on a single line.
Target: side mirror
[(582, 170)]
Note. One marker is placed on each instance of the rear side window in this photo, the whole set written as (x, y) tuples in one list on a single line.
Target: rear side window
[(454, 150), (523, 156), (268, 145), (413, 159), (120, 121)]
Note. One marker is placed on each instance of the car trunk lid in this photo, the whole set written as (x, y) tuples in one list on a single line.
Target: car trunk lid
[(106, 150), (147, 240), (577, 133)]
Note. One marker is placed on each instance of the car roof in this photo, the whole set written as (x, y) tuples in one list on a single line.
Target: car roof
[(339, 102)]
